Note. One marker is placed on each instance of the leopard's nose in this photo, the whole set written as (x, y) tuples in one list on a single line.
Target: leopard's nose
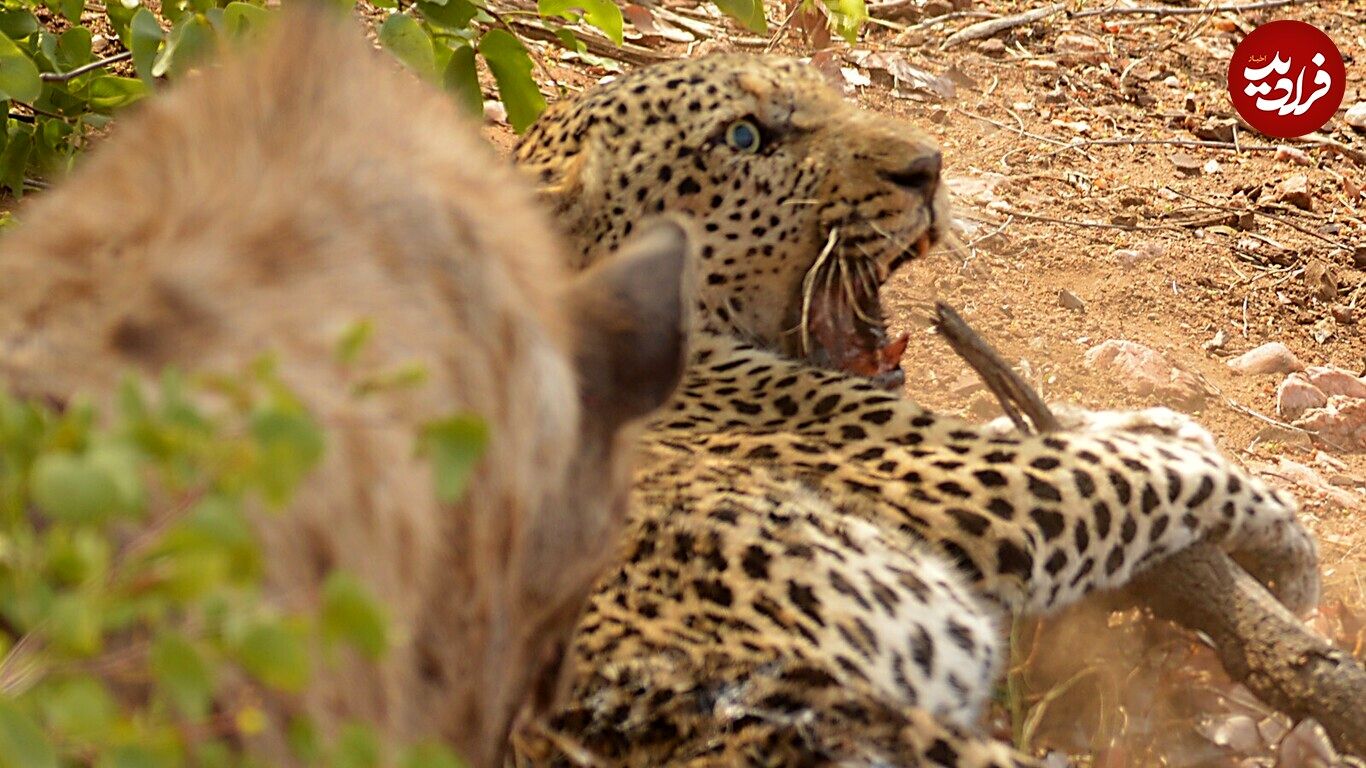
[(921, 175)]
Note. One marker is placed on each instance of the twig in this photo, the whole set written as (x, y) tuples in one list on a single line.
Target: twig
[(1021, 131), (1166, 10), (1256, 212), (1009, 388), (1166, 142), (1089, 224), (596, 44), (1351, 153), (62, 77), (993, 27), (935, 20)]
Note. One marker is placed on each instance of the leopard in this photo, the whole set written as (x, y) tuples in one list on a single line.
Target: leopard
[(254, 210), (817, 570)]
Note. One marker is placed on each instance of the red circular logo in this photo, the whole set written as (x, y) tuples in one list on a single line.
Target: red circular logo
[(1286, 78)]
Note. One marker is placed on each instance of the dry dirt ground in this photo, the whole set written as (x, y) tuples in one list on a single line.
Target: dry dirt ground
[(1155, 244)]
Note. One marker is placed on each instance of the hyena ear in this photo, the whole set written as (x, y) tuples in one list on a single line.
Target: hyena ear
[(631, 324)]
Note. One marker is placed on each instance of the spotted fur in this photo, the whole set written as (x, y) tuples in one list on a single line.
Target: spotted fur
[(816, 570)]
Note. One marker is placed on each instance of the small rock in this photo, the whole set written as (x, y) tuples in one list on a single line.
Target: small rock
[(1189, 164), (1359, 257), (1295, 191), (1341, 423), (1292, 154), (1080, 47), (1237, 732), (1296, 395), (1307, 745), (1344, 314), (1356, 116), (1212, 166), (994, 47), (1320, 280), (1273, 357), (1071, 301), (1336, 381), (1216, 343), (495, 112), (1145, 371)]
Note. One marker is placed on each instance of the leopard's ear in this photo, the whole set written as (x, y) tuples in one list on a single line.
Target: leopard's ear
[(632, 339)]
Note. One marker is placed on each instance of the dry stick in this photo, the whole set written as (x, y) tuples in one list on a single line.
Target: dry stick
[(1260, 643), (995, 26), (1236, 147), (595, 43), (62, 77), (1161, 10), (1255, 212)]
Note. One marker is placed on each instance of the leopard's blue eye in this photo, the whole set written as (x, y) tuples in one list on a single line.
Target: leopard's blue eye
[(743, 136)]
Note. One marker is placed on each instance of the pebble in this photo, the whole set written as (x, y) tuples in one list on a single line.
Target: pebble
[(1336, 381), (1145, 371), (1071, 301), (1296, 395), (1295, 191), (1273, 357), (1356, 116)]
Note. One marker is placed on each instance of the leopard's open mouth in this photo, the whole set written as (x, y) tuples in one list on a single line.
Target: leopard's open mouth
[(841, 324)]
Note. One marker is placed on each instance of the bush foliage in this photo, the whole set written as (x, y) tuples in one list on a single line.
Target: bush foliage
[(58, 94), (131, 588)]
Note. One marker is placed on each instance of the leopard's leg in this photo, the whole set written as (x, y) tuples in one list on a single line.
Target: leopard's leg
[(1276, 550)]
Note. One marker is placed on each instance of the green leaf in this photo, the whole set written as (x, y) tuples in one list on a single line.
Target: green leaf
[(182, 675), (453, 15), (110, 92), (455, 445), (462, 80), (243, 20), (70, 9), (80, 708), (290, 445), (357, 747), (120, 17), (353, 340), (603, 14), (17, 24), (404, 37), (430, 756), (146, 34), (847, 17), (18, 74), (748, 12), (75, 624), (191, 41), (276, 656), (122, 466), (511, 67), (22, 745), (73, 48), (351, 614), (131, 756), (71, 488)]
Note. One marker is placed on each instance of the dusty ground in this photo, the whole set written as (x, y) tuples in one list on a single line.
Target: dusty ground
[(1040, 216)]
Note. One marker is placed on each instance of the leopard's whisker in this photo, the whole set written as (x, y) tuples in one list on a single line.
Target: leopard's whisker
[(846, 281), (809, 283)]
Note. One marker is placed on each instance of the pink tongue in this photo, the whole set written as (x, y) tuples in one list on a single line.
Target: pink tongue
[(861, 351)]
